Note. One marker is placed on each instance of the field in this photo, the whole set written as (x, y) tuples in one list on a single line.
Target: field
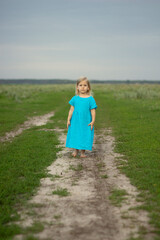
[(131, 111)]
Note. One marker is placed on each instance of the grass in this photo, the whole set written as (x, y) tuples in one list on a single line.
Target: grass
[(23, 162), (118, 196), (57, 216), (35, 228), (133, 112), (62, 192), (30, 237), (53, 177), (142, 231), (136, 238), (104, 176), (22, 166), (18, 102), (79, 167), (136, 127), (100, 166)]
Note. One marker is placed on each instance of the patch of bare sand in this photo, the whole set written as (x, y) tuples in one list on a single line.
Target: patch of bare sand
[(32, 121), (86, 213)]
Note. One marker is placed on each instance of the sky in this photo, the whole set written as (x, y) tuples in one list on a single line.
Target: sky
[(67, 39)]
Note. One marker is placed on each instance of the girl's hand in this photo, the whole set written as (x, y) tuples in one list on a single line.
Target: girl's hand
[(68, 123), (91, 123)]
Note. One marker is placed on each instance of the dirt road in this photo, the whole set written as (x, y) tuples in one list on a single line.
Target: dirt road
[(81, 209), (32, 121)]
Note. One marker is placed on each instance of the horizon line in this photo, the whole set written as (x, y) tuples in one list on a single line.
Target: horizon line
[(74, 80)]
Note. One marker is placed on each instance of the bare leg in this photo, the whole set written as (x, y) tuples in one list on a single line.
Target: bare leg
[(83, 154), (74, 154)]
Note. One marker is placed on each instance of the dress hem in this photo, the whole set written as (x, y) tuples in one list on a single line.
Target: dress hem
[(80, 148)]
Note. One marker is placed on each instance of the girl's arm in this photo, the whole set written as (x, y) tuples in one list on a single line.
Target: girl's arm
[(93, 113), (70, 115)]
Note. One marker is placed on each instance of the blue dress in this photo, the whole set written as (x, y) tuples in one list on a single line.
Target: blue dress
[(80, 135)]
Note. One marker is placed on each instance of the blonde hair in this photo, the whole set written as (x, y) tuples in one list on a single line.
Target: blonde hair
[(89, 91)]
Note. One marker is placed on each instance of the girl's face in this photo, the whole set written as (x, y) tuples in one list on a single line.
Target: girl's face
[(83, 87)]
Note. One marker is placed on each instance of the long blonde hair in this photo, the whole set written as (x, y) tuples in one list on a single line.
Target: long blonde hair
[(89, 92)]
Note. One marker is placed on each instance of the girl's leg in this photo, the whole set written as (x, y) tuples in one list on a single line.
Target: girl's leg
[(74, 154), (83, 154)]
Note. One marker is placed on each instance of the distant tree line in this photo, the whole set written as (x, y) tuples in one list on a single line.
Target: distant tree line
[(67, 81)]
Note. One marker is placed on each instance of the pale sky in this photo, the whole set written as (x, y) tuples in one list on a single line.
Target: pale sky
[(100, 39)]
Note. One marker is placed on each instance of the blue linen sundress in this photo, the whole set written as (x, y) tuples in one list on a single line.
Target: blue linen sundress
[(80, 135)]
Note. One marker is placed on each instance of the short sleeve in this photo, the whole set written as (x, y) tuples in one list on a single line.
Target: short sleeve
[(93, 103), (72, 101)]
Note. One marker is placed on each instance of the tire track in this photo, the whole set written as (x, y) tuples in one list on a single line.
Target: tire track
[(86, 213), (32, 121)]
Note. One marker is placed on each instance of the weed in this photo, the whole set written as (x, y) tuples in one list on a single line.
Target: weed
[(104, 176), (35, 228), (57, 216), (141, 234), (75, 182), (136, 238), (62, 192), (35, 205), (79, 167), (53, 177), (117, 196), (30, 237), (100, 165)]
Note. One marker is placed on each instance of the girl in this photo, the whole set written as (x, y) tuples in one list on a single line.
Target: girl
[(81, 119)]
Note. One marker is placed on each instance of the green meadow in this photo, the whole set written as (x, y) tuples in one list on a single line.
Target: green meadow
[(133, 113)]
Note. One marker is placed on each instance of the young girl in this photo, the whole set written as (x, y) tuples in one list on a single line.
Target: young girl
[(81, 119)]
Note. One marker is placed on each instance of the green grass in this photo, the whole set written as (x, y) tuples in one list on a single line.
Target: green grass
[(118, 196), (136, 126), (35, 228), (30, 237), (53, 177), (79, 167), (100, 166), (104, 176), (62, 192), (23, 162), (22, 166), (136, 238), (57, 216), (133, 112), (18, 102)]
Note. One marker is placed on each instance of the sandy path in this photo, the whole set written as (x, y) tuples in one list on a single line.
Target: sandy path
[(32, 121), (86, 213)]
